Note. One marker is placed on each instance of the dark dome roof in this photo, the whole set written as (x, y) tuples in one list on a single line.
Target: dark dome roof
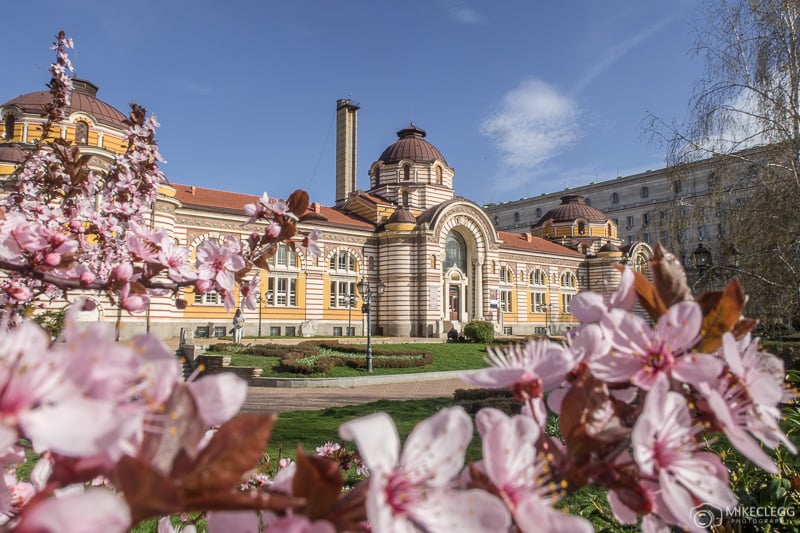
[(609, 247), (402, 215), (572, 208), (83, 99), (411, 145)]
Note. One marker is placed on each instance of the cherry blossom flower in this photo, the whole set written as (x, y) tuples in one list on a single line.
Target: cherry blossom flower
[(591, 306), (311, 242), (746, 400), (176, 259), (665, 450), (95, 509), (512, 463), (639, 353), (414, 490), (528, 370), (218, 262)]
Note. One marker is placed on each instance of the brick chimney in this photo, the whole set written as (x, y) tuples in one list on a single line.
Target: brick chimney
[(346, 148)]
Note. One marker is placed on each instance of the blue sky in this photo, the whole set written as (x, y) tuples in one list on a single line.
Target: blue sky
[(521, 97)]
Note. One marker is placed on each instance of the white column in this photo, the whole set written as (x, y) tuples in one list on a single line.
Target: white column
[(479, 286)]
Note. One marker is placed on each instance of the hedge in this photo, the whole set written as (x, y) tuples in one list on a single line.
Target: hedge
[(479, 331)]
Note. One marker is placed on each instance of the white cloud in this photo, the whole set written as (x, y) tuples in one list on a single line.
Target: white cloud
[(534, 123), (461, 12)]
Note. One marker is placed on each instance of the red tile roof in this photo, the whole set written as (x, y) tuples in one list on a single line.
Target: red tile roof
[(233, 202), (524, 241)]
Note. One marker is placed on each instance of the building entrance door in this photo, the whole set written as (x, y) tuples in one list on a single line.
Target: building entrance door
[(454, 303)]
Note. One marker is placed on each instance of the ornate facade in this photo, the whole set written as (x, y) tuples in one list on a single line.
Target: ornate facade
[(439, 256)]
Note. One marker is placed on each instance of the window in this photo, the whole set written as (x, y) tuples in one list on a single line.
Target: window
[(538, 213), (209, 298), (281, 291), (568, 280), (645, 192), (496, 221), (455, 249), (290, 331), (701, 232), (439, 179), (677, 186), (405, 199), (343, 294), (630, 222), (581, 228), (274, 331), (538, 304), (646, 219), (343, 261), (614, 198), (538, 278), (506, 275), (81, 132), (337, 331), (406, 172), (220, 331), (505, 301), (284, 257), (566, 299), (507, 330), (516, 218), (647, 238), (10, 122)]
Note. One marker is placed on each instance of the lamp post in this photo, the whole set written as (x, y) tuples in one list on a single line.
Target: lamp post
[(350, 301), (260, 305), (368, 296), (701, 258)]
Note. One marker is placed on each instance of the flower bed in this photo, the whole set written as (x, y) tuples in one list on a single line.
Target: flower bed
[(315, 357)]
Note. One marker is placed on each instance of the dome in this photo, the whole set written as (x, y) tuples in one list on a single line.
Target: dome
[(402, 215), (573, 207), (83, 99), (411, 145)]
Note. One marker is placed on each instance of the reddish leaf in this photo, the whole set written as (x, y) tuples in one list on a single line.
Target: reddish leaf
[(669, 277), (234, 450), (147, 492), (648, 295), (319, 481), (254, 499), (298, 202), (722, 311)]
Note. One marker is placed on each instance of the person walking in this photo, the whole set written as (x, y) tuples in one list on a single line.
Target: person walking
[(238, 326)]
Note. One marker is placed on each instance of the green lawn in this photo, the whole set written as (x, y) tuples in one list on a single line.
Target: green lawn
[(445, 357)]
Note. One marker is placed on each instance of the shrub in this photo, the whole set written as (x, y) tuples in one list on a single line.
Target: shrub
[(473, 400), (479, 331)]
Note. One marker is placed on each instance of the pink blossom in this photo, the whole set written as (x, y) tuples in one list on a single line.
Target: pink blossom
[(529, 370), (219, 263), (413, 491), (747, 400), (512, 463), (176, 259), (592, 306), (639, 354), (219, 397), (664, 447), (96, 509), (311, 242), (249, 292)]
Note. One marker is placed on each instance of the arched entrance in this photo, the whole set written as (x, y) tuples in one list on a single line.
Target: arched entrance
[(455, 277)]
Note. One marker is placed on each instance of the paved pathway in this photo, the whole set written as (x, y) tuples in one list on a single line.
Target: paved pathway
[(281, 399)]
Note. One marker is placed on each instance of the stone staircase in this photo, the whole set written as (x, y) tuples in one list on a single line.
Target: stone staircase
[(217, 364)]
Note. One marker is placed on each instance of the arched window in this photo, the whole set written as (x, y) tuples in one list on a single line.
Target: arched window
[(282, 278), (568, 280), (439, 179), (81, 132), (343, 261), (569, 286), (538, 278), (506, 274), (538, 291), (645, 192), (10, 122), (405, 199), (455, 252), (406, 172), (581, 228)]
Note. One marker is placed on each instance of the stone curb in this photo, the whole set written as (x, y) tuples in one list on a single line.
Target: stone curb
[(347, 383)]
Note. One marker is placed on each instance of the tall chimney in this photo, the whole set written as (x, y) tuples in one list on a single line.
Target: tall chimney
[(346, 148)]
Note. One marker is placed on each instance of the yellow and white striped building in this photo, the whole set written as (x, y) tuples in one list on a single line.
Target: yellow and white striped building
[(438, 256)]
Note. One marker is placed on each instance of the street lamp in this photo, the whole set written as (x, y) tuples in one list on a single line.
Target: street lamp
[(701, 258), (350, 301), (258, 301), (368, 295)]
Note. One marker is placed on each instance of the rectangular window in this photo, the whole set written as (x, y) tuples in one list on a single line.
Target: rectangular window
[(201, 332), (282, 255), (220, 331), (281, 292), (342, 261), (507, 331), (565, 301), (337, 331), (645, 219), (351, 331), (537, 302), (505, 301), (343, 294), (274, 331), (630, 222), (209, 298), (290, 331)]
